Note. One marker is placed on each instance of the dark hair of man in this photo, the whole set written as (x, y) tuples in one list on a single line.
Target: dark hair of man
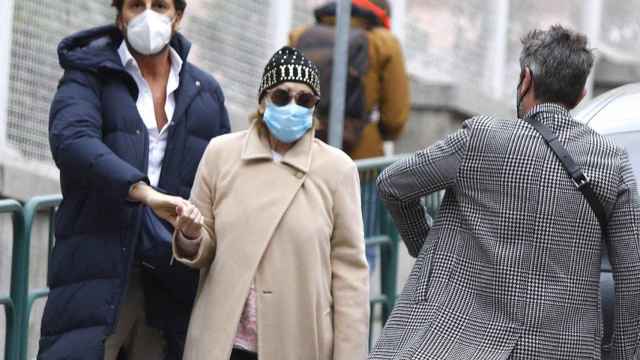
[(560, 62), (179, 4)]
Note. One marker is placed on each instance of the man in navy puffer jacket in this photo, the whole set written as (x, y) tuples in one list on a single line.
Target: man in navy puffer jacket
[(130, 113)]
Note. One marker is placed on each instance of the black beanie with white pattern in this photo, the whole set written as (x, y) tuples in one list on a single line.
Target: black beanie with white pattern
[(289, 65)]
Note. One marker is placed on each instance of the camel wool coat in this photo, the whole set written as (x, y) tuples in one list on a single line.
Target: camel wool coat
[(294, 228)]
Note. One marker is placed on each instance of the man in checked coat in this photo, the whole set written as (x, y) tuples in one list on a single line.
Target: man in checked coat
[(510, 268)]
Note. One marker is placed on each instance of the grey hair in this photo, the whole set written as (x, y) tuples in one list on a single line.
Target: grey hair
[(560, 62)]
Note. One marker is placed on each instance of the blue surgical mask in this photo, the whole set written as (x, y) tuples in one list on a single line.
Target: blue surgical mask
[(288, 123)]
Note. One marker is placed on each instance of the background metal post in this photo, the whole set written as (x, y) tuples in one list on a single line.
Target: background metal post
[(499, 49), (339, 76), (6, 21), (282, 15), (592, 20)]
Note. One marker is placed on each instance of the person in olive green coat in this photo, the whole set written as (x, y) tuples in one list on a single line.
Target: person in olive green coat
[(386, 84)]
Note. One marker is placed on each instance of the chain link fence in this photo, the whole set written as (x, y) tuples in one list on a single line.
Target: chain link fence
[(473, 43)]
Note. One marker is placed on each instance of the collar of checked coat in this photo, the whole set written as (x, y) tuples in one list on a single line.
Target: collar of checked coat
[(256, 147), (551, 114)]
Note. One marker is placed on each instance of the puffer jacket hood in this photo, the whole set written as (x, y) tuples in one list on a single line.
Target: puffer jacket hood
[(96, 49)]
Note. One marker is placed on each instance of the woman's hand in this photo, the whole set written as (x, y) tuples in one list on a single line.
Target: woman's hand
[(189, 220), (189, 224)]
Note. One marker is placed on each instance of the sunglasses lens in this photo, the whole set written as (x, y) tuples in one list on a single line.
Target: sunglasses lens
[(306, 99), (280, 97)]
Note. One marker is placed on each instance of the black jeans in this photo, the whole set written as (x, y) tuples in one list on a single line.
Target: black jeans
[(238, 354)]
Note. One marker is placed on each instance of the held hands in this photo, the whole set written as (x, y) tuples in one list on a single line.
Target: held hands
[(180, 213), (189, 220)]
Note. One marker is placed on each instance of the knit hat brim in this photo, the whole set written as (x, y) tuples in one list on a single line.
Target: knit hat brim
[(289, 65)]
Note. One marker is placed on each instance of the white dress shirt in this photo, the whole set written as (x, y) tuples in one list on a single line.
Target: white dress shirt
[(144, 103)]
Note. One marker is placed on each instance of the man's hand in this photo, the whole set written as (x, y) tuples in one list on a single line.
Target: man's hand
[(165, 206)]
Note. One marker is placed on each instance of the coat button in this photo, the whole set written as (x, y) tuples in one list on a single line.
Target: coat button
[(138, 132), (299, 174), (197, 83)]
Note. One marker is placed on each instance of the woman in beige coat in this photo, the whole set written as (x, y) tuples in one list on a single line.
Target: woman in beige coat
[(276, 230)]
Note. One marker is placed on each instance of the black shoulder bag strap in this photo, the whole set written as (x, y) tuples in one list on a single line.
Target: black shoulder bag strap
[(582, 182)]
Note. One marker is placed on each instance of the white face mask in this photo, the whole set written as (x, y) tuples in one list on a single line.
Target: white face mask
[(149, 32)]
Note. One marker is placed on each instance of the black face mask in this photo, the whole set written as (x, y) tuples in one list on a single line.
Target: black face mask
[(520, 97)]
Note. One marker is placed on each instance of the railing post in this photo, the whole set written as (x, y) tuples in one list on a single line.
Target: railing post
[(14, 324), (20, 284)]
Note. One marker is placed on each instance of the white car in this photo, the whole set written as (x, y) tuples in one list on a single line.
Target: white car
[(615, 114)]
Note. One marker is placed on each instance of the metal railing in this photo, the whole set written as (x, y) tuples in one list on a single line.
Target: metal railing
[(12, 316), (24, 295), (380, 234), (20, 301)]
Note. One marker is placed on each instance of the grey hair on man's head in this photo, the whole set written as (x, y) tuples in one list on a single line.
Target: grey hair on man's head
[(560, 62)]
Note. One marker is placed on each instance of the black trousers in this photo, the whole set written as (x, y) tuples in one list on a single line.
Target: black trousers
[(238, 354)]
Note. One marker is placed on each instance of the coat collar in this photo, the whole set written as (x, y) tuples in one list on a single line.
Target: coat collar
[(256, 147), (551, 114)]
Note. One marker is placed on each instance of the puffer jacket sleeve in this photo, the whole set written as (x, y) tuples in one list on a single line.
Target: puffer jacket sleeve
[(75, 135), (350, 274)]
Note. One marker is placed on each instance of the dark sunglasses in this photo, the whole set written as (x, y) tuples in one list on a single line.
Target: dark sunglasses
[(282, 97)]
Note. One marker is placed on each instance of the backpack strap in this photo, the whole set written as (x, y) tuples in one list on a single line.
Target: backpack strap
[(582, 182)]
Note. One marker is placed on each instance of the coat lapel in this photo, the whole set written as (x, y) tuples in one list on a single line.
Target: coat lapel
[(279, 184)]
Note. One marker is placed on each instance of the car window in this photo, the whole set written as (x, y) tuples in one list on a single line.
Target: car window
[(619, 115), (630, 141)]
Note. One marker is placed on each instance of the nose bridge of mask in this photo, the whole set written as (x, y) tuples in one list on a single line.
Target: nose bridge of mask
[(149, 31), (284, 112), (142, 26)]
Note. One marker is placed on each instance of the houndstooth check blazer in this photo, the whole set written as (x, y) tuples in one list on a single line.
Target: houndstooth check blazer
[(510, 269)]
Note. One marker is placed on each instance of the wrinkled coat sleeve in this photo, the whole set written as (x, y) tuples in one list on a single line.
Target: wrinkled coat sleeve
[(402, 185), (202, 197), (395, 103), (623, 237), (75, 135), (350, 274)]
